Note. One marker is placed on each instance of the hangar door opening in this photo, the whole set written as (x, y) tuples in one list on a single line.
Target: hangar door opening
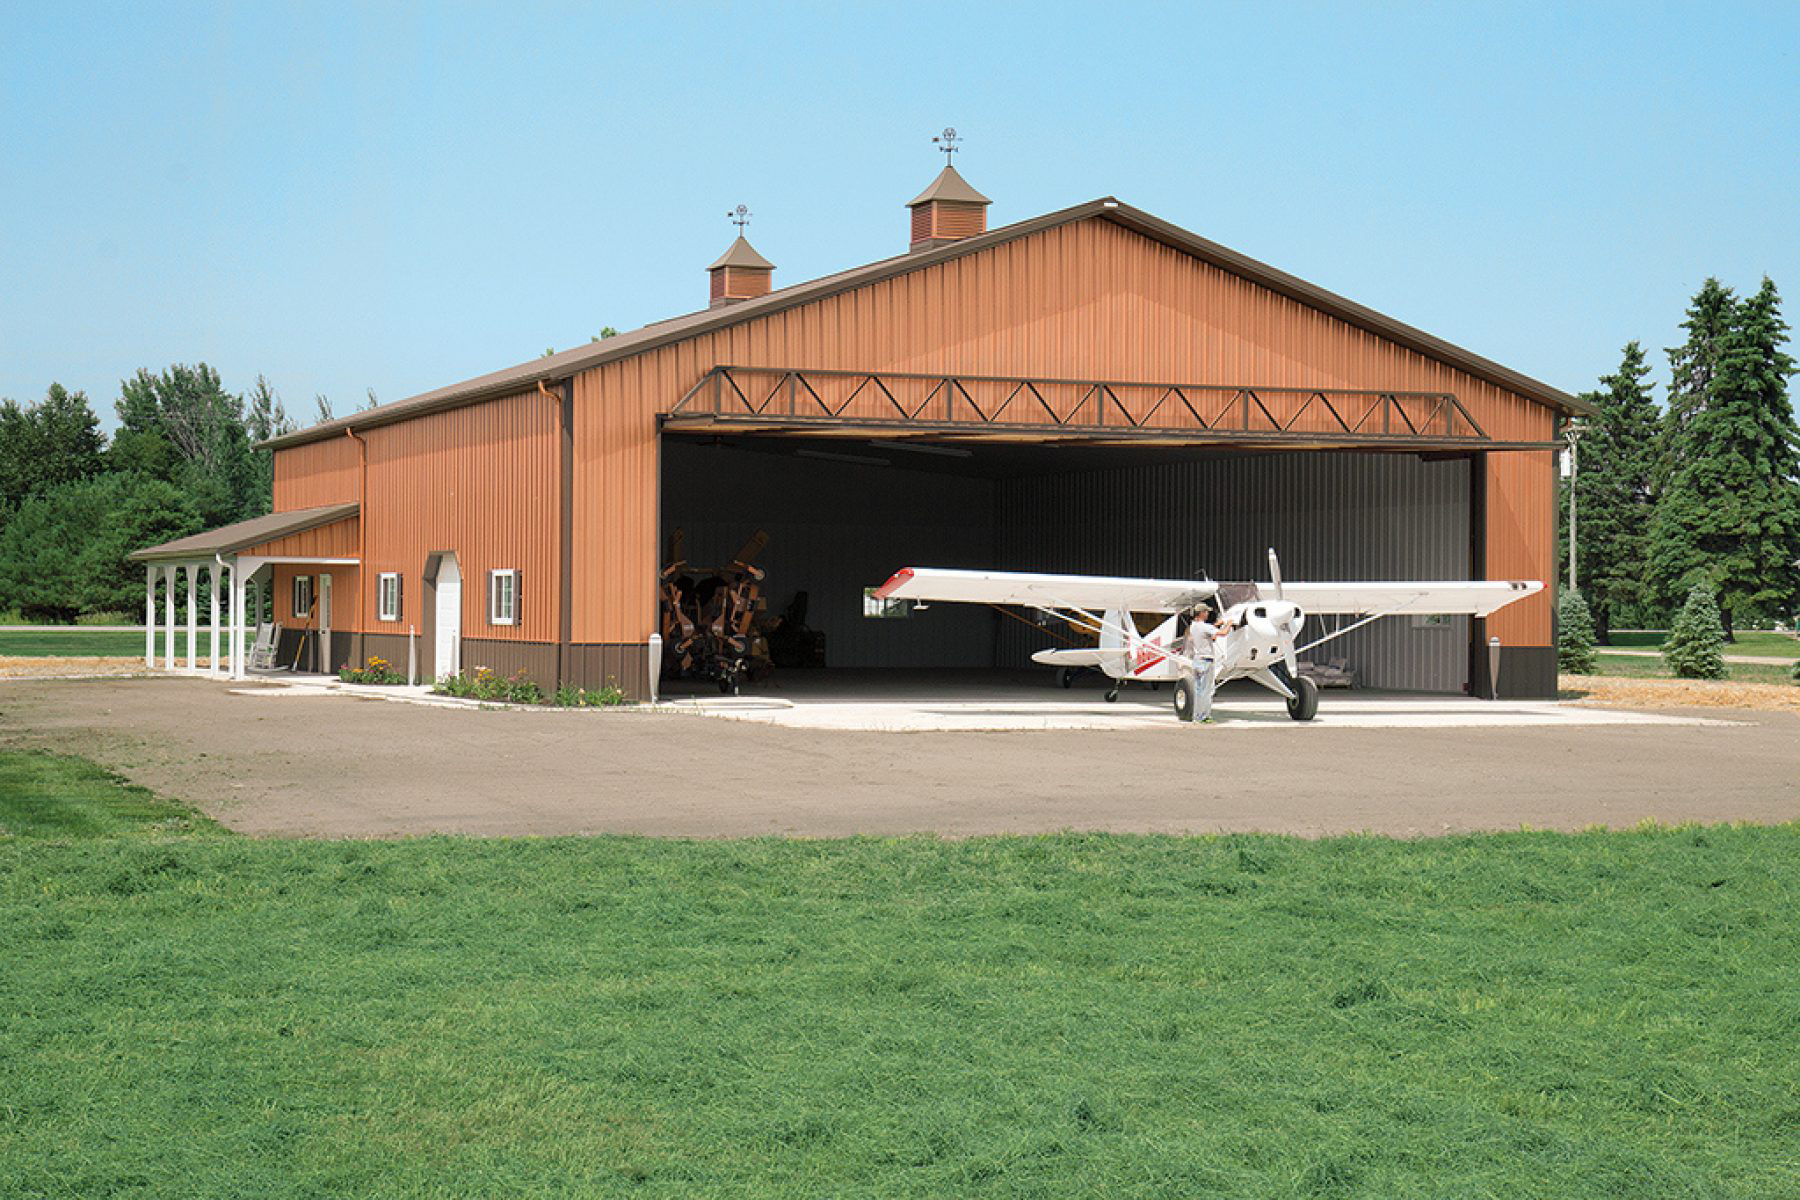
[(841, 515)]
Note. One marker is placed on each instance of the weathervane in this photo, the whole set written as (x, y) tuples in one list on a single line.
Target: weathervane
[(946, 141), (739, 216)]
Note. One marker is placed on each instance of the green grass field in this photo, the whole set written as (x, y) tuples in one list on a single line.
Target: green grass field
[(75, 641), (1638, 666), (1759, 642), (187, 1012)]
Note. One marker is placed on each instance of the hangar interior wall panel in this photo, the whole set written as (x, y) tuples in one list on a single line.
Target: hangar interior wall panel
[(835, 529), (1084, 301), (1329, 516)]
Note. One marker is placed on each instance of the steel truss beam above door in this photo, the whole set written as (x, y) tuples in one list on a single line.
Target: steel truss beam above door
[(788, 401)]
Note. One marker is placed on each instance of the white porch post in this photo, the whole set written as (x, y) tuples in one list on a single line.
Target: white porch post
[(193, 599), (169, 617), (237, 622), (150, 615), (212, 600)]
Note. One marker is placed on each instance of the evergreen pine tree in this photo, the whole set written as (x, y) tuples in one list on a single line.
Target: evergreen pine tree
[(1574, 635), (1691, 369), (1729, 515), (1614, 494), (1696, 645)]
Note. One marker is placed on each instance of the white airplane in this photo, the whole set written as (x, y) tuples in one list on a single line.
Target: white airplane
[(1265, 619)]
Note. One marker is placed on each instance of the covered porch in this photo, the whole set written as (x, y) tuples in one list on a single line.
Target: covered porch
[(276, 590)]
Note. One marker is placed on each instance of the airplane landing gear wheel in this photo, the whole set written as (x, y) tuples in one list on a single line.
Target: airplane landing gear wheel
[(1305, 704), (1065, 677), (1187, 699), (1112, 694)]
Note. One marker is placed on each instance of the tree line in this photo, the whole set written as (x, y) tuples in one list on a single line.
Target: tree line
[(1701, 492), (73, 503)]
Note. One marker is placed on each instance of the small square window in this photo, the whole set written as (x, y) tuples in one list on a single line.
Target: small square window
[(876, 606), (303, 597), (387, 596), (503, 597)]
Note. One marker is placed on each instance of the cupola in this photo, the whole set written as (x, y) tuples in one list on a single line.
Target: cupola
[(949, 210), (740, 273)]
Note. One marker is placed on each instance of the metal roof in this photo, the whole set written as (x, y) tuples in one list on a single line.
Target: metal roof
[(743, 256), (949, 186), (229, 538), (557, 367)]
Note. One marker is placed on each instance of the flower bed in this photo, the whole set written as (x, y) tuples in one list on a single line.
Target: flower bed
[(485, 684), (379, 671)]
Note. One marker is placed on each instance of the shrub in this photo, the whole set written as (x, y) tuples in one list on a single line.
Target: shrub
[(605, 696), (1696, 645), (1795, 670), (1574, 635), (520, 690), (485, 684)]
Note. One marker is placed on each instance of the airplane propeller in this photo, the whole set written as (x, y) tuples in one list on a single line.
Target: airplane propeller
[(1275, 572)]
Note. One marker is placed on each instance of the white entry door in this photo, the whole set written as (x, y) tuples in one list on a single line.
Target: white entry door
[(448, 618), (325, 624)]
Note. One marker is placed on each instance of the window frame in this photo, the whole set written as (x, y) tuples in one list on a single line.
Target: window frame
[(382, 612), (301, 612), (511, 575)]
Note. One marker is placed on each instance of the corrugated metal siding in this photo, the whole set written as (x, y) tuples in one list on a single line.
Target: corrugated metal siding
[(337, 540), (481, 481), (1521, 540), (1086, 301), (615, 502), (835, 529), (1329, 515), (315, 474)]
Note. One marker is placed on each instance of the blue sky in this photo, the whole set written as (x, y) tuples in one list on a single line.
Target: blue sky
[(345, 197)]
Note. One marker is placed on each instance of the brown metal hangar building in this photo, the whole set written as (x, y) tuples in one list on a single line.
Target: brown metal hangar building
[(1091, 390)]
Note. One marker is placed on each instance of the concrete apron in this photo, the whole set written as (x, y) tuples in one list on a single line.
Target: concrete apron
[(1016, 708)]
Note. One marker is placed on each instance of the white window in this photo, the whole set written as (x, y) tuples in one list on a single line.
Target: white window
[(503, 597), (387, 595), (303, 596), (876, 606)]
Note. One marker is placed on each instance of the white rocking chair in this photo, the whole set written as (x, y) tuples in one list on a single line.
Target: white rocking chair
[(262, 655)]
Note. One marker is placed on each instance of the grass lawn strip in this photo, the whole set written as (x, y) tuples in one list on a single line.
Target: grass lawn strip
[(188, 1012), (1761, 642), (89, 643)]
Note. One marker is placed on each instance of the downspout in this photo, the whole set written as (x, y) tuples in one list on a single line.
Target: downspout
[(564, 401), (362, 535)]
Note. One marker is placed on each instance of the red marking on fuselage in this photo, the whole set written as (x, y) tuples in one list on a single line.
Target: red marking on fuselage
[(1147, 655)]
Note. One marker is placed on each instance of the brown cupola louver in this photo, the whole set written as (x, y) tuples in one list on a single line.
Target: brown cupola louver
[(740, 273), (947, 211)]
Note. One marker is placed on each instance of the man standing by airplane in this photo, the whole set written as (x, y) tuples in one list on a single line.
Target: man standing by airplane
[(1201, 634)]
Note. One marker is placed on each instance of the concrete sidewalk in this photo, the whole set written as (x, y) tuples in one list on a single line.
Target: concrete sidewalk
[(1767, 660)]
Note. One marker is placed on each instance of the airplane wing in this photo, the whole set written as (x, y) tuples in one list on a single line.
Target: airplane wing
[(1475, 598), (1075, 656), (1045, 591)]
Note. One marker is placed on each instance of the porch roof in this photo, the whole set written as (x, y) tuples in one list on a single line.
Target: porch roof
[(227, 539)]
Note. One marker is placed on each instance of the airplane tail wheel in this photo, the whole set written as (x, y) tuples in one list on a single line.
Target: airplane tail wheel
[(1065, 677), (1187, 699), (1112, 694), (1305, 704)]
